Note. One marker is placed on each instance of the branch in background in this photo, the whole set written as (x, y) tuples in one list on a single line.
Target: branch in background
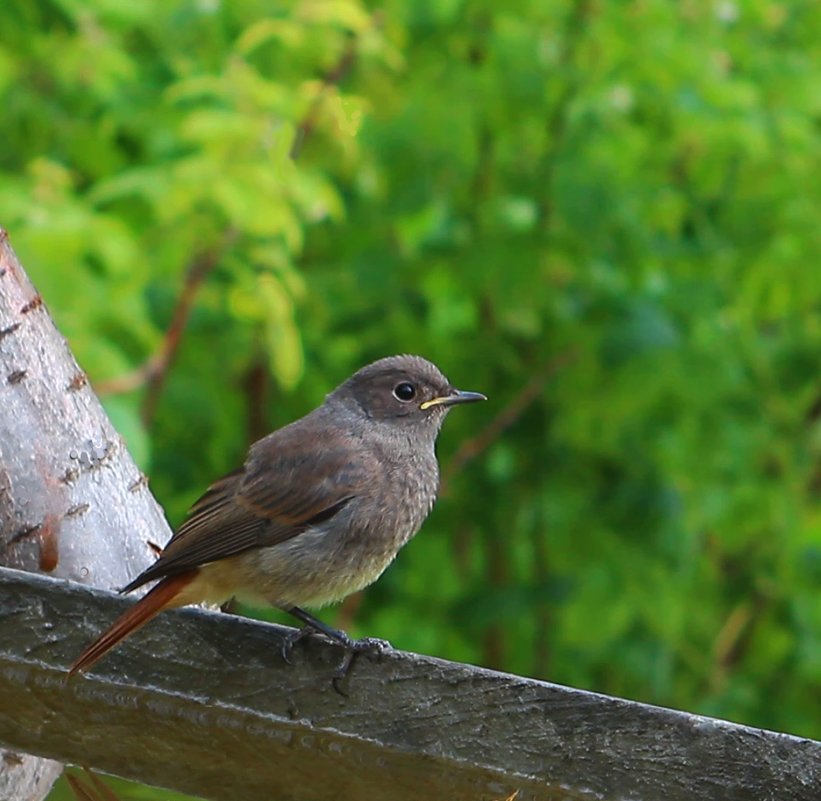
[(348, 610), (497, 578), (331, 78), (557, 122), (155, 370), (195, 277), (94, 790), (473, 447), (542, 608), (734, 638), (494, 639), (256, 384)]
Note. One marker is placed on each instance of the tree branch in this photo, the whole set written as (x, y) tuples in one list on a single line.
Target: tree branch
[(154, 371), (331, 78), (71, 500), (475, 446)]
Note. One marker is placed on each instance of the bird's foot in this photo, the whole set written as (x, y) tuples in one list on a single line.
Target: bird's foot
[(369, 645), (291, 640), (352, 648), (366, 645)]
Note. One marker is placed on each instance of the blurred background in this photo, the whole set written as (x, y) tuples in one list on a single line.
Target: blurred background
[(605, 216)]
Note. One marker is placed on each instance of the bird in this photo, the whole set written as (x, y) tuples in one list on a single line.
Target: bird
[(317, 511)]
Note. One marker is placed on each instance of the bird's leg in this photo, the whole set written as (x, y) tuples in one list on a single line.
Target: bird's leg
[(352, 647), (315, 624)]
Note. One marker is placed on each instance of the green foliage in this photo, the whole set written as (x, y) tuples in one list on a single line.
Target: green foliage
[(619, 198)]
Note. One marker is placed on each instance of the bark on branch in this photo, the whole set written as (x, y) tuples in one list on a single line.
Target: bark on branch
[(72, 501)]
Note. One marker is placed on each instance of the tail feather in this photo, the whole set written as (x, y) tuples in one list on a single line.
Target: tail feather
[(160, 597)]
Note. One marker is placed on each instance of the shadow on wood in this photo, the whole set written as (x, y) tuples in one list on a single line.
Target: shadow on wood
[(205, 704)]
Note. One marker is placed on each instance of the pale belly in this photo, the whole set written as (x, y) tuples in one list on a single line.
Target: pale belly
[(305, 571), (325, 564)]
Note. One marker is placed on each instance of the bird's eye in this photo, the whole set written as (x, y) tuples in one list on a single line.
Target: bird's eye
[(404, 392)]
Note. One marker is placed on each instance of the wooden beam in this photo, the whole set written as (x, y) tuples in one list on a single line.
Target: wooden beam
[(204, 703)]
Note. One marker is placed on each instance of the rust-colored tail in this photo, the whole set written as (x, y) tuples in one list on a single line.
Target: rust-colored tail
[(160, 597)]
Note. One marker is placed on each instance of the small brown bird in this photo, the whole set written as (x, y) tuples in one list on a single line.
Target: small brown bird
[(318, 511)]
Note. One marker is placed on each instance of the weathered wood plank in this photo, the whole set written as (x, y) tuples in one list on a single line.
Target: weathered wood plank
[(204, 703)]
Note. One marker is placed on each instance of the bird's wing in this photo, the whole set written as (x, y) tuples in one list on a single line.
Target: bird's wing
[(289, 483)]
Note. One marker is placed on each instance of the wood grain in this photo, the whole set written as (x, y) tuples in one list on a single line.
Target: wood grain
[(204, 703)]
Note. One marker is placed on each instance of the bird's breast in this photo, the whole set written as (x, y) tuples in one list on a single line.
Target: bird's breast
[(349, 551)]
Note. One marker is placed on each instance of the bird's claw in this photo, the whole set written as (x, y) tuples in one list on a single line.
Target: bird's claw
[(352, 648), (292, 639), (372, 645), (367, 645)]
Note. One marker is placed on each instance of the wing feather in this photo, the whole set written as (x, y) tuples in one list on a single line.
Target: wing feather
[(291, 480)]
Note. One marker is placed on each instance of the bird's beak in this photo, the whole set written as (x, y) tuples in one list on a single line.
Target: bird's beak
[(456, 396)]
